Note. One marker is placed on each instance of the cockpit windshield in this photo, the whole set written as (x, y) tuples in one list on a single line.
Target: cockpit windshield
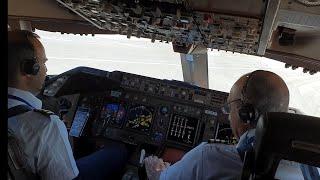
[(158, 60)]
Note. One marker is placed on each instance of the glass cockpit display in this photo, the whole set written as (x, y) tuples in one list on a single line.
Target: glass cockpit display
[(140, 118), (113, 114), (79, 121), (182, 129)]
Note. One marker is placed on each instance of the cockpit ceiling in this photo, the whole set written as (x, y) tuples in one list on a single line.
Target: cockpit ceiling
[(303, 17)]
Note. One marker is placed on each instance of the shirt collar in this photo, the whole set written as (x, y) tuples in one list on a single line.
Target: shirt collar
[(245, 137), (27, 96)]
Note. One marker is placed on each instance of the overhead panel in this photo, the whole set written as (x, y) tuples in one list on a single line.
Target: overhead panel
[(180, 22)]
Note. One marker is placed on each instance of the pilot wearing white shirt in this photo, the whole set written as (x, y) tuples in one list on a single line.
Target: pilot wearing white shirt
[(38, 139), (41, 136), (252, 95)]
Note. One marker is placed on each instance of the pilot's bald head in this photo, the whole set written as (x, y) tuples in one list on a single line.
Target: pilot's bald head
[(265, 90)]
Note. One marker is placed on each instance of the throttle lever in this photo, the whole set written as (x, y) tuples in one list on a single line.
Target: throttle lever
[(142, 168)]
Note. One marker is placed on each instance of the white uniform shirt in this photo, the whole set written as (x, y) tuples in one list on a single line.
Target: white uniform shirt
[(44, 140), (220, 161), (206, 161)]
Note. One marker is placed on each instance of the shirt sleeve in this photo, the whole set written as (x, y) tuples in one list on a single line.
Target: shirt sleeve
[(206, 161), (56, 159), (189, 167)]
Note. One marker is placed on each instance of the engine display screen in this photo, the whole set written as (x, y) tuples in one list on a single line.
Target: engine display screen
[(140, 118), (182, 129), (113, 113)]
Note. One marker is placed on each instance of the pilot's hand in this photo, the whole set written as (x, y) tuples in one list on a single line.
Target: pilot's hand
[(154, 166)]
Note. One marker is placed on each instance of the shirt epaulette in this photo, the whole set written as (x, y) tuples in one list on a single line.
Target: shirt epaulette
[(219, 141), (44, 112)]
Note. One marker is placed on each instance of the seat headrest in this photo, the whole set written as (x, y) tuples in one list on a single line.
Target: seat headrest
[(287, 136)]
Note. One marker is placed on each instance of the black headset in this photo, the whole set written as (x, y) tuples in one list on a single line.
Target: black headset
[(30, 66), (248, 113)]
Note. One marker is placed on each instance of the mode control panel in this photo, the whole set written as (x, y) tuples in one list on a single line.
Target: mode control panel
[(174, 91)]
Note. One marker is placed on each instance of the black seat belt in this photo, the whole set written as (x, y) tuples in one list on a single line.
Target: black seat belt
[(20, 109)]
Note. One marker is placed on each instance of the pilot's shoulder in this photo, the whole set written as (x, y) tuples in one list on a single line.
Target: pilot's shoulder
[(203, 150), (200, 148), (219, 147), (206, 145), (221, 151), (47, 119), (46, 114)]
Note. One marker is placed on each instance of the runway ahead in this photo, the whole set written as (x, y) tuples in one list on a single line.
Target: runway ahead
[(140, 56)]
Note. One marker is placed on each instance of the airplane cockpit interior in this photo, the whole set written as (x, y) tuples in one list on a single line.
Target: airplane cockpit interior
[(156, 115), (168, 118)]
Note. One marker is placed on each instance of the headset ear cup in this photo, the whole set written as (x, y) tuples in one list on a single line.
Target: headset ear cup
[(35, 69), (247, 113), (243, 115), (26, 67), (30, 67)]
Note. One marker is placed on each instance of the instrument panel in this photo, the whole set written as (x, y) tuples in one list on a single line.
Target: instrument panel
[(145, 110)]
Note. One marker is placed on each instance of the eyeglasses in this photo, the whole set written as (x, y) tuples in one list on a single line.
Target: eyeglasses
[(226, 107), (43, 59)]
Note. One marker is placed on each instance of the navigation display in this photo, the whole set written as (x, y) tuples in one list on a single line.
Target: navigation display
[(113, 114), (140, 118)]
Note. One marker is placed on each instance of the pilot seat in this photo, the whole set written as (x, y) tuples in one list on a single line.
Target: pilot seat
[(284, 136)]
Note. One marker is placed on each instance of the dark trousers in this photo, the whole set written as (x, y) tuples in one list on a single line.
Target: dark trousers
[(107, 163)]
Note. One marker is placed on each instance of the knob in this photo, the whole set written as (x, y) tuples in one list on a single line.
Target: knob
[(164, 110), (158, 137)]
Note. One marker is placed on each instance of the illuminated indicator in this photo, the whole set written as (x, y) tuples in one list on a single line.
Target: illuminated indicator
[(209, 112), (115, 93), (199, 101)]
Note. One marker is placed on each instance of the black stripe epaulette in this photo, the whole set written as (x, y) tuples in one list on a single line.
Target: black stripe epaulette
[(44, 112), (221, 141)]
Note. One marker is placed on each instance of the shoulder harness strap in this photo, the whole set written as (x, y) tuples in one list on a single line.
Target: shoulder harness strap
[(20, 109), (17, 110)]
